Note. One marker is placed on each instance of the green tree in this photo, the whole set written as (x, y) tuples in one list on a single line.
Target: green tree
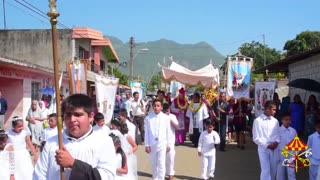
[(155, 82), (304, 41), (123, 78), (259, 53)]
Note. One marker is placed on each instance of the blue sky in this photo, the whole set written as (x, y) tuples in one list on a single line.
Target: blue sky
[(223, 24)]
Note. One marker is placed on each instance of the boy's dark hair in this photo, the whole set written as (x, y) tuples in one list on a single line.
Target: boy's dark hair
[(98, 116), (285, 115), (196, 95), (53, 115), (157, 100), (135, 93), (269, 104), (77, 101), (123, 112), (124, 128), (3, 136), (166, 107), (210, 122), (116, 122)]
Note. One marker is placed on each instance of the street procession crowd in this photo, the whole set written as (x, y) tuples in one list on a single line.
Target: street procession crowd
[(94, 149)]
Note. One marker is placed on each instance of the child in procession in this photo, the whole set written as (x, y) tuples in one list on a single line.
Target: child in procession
[(287, 134), (100, 123), (123, 116), (157, 139), (7, 160), (20, 139), (265, 133), (85, 154), (122, 166), (314, 145), (171, 154), (49, 132), (207, 151)]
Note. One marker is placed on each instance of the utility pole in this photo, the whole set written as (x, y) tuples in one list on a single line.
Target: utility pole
[(4, 15), (264, 50), (132, 45)]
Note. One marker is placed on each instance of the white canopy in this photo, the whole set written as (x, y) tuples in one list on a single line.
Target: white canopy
[(207, 76)]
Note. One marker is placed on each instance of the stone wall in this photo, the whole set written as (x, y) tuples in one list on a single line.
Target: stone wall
[(307, 68), (35, 46)]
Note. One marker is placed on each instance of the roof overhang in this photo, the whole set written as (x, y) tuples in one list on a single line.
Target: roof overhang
[(283, 65), (108, 49), (86, 33)]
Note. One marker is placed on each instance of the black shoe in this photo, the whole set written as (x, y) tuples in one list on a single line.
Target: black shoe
[(242, 147)]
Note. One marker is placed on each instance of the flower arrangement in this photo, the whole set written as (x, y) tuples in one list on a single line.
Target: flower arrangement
[(211, 95)]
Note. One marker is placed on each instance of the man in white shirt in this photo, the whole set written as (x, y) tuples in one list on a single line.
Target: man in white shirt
[(131, 127), (138, 108), (85, 155), (266, 135), (157, 140), (171, 154)]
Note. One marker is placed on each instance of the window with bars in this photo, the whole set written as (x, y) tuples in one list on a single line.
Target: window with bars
[(35, 87)]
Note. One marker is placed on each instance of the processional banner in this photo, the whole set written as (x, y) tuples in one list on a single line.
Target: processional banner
[(106, 89), (264, 91), (78, 77), (238, 78), (138, 86)]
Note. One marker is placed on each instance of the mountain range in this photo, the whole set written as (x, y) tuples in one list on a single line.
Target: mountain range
[(147, 56)]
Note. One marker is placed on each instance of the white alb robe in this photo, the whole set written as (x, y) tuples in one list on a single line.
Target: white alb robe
[(196, 119), (92, 148)]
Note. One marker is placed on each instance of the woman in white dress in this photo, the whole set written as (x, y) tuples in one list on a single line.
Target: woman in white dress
[(44, 114), (20, 138), (6, 158)]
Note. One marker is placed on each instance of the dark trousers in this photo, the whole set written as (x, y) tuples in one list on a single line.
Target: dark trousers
[(139, 122), (222, 134), (195, 137)]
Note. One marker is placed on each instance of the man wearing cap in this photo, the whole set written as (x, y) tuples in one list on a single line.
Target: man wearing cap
[(179, 108), (3, 109)]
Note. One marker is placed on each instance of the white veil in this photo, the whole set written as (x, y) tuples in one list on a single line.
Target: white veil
[(131, 157)]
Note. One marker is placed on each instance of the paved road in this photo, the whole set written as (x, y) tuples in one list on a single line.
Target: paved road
[(234, 164)]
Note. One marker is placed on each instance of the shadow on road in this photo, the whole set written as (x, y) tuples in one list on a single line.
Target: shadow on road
[(143, 174), (185, 177)]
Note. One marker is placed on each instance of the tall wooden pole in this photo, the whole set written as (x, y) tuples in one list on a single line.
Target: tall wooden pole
[(53, 14)]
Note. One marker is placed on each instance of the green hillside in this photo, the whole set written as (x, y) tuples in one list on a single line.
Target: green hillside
[(192, 56)]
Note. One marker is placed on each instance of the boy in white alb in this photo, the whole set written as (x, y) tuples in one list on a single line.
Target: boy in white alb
[(265, 134), (314, 145), (157, 139), (85, 155), (207, 151), (287, 134), (49, 132), (171, 154)]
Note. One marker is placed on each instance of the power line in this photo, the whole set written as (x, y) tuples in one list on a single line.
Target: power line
[(42, 14), (4, 15)]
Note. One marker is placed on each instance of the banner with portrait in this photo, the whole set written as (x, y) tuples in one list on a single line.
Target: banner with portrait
[(263, 91), (77, 72), (106, 89), (238, 78), (174, 88), (138, 86)]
